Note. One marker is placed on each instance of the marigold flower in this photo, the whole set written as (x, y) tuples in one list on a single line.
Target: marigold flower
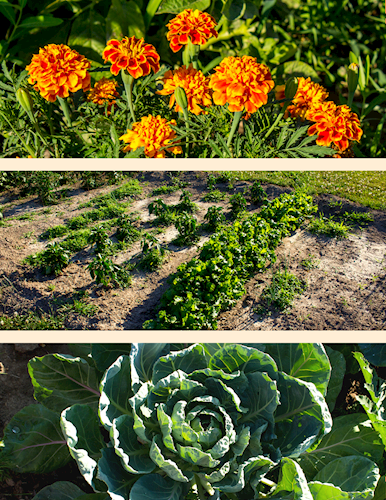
[(154, 133), (103, 91), (58, 70), (133, 55), (308, 94), (279, 93), (195, 84), (334, 124), (192, 25), (242, 83)]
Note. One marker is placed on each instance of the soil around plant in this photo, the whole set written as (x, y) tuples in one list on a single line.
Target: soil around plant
[(345, 291)]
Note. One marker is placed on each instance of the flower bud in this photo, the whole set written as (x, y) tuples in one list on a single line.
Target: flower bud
[(181, 98), (291, 87), (25, 99), (352, 77)]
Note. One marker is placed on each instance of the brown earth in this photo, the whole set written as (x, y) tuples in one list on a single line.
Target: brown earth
[(346, 290)]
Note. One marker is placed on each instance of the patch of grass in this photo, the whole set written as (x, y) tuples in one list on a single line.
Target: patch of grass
[(328, 227), (164, 190), (79, 306), (359, 218), (32, 321), (129, 189), (310, 263), (77, 240), (54, 232), (26, 216), (282, 291), (214, 196)]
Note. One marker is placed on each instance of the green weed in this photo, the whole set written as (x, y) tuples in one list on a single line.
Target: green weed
[(329, 227)]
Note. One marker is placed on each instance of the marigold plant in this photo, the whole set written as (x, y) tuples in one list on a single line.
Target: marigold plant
[(190, 25), (308, 94), (242, 83), (334, 124), (152, 133), (58, 70), (103, 91), (133, 55), (195, 84)]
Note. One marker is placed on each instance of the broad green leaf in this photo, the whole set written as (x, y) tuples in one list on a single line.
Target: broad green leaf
[(8, 11), (292, 484), (234, 357), (253, 469), (296, 68), (104, 355), (338, 365), (197, 457), (156, 486), (124, 18), (177, 6), (261, 399), (33, 441), (189, 359), (374, 353), (88, 36), (169, 467), (134, 455), (115, 391), (22, 3), (61, 490), (350, 435), (40, 22), (110, 471), (80, 426), (302, 417), (143, 357), (380, 490), (136, 403), (322, 491), (61, 380), (80, 350), (351, 474), (228, 398), (308, 362)]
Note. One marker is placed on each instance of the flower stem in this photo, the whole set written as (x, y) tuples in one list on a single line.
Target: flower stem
[(128, 82), (235, 124), (27, 146), (66, 110)]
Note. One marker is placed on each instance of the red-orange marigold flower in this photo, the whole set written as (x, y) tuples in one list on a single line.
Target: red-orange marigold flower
[(58, 70), (334, 124), (242, 83), (192, 25), (308, 94), (195, 84), (133, 55), (280, 93), (103, 91), (154, 133)]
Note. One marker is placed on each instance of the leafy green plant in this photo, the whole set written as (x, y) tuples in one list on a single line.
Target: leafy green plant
[(186, 204), (215, 195), (328, 227), (282, 290), (53, 259), (99, 236), (257, 193), (106, 273), (126, 231), (153, 254), (238, 204), (215, 217), (186, 226), (360, 218), (164, 213)]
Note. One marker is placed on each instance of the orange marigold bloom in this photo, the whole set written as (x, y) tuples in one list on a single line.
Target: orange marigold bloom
[(58, 70), (133, 55), (154, 133), (280, 93), (242, 83), (192, 25), (103, 91), (195, 84), (308, 94), (334, 124)]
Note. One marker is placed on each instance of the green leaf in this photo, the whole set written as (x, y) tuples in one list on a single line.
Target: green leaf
[(134, 455), (105, 354), (115, 391), (302, 417), (156, 486), (296, 68), (61, 380), (118, 481), (308, 362), (322, 491), (253, 469), (292, 484), (135, 154), (8, 11), (80, 426), (338, 365), (177, 6), (350, 435), (124, 19), (169, 467), (189, 359), (33, 441), (88, 36), (380, 490), (262, 401), (143, 357), (296, 135), (80, 350), (61, 490), (40, 22), (351, 474), (374, 353)]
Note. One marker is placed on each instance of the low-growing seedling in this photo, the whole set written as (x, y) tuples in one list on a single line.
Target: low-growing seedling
[(186, 204), (359, 218), (215, 217), (186, 226), (238, 204), (164, 213), (126, 232), (106, 273), (99, 236), (214, 196), (335, 204), (257, 193), (54, 259), (329, 227), (153, 254), (211, 181), (282, 290), (32, 321), (54, 232), (79, 306), (310, 263)]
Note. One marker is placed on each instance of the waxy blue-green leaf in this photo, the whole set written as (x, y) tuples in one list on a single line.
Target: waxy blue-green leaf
[(33, 441), (61, 380), (115, 391), (242, 442), (156, 486), (137, 403), (189, 359), (166, 425), (166, 388), (338, 365), (302, 417), (374, 353), (350, 435), (181, 430), (61, 490), (351, 474), (323, 491), (234, 482), (80, 427), (110, 472), (380, 490), (195, 456), (134, 455), (168, 466), (309, 362), (292, 484), (228, 398), (235, 357), (104, 355), (262, 401), (143, 357)]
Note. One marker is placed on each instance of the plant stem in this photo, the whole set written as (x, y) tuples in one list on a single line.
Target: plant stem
[(235, 124), (66, 110), (278, 118), (27, 146), (128, 82), (200, 489)]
